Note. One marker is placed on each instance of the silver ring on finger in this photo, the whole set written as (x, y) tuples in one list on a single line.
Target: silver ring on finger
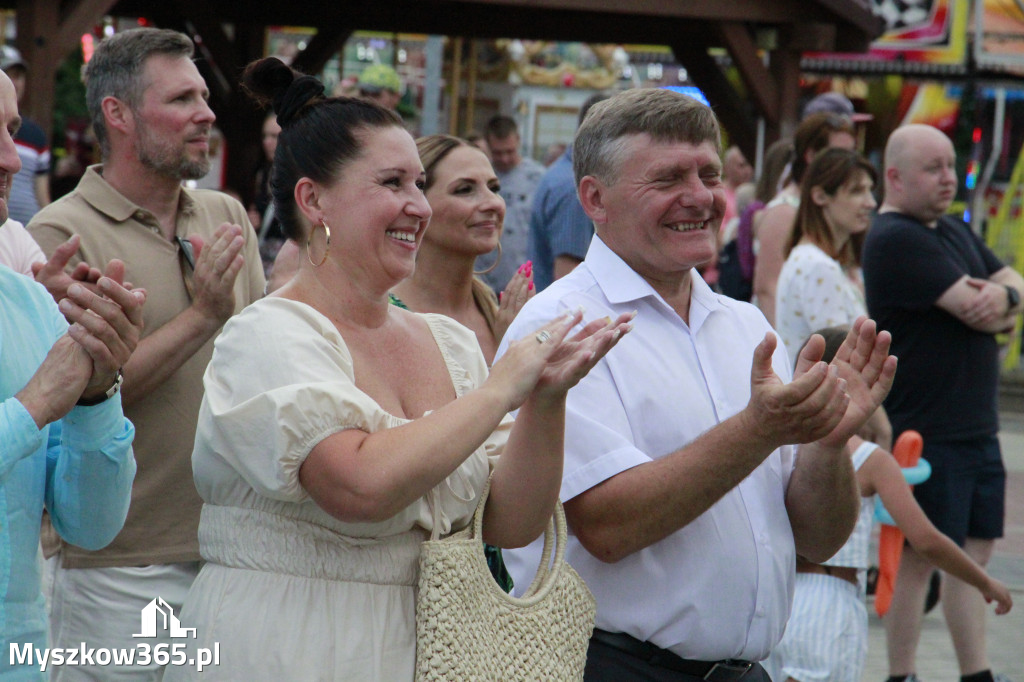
[(542, 336)]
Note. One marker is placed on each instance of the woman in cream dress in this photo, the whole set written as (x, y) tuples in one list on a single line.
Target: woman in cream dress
[(337, 429)]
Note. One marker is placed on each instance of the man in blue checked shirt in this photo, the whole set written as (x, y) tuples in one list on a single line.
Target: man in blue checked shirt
[(560, 231)]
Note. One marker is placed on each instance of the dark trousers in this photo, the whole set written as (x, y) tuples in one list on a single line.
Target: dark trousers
[(608, 664)]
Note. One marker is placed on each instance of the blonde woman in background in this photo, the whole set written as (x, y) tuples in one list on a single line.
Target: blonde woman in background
[(462, 190)]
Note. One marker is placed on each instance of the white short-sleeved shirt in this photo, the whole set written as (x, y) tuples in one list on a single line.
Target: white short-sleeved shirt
[(720, 587), (813, 293)]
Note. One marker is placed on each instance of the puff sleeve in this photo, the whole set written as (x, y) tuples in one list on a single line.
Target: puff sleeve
[(280, 381)]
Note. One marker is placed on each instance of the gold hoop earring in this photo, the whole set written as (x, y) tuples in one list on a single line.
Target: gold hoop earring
[(493, 265), (327, 248)]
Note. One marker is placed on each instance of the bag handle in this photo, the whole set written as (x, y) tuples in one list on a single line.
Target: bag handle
[(555, 535)]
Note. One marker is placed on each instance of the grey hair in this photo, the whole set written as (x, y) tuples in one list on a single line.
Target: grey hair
[(663, 114), (116, 67)]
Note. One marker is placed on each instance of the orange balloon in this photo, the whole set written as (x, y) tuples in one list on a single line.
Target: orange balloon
[(907, 451)]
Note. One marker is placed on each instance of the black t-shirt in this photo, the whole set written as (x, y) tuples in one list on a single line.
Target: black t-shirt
[(947, 378)]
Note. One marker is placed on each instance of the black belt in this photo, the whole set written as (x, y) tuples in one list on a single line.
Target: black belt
[(714, 671)]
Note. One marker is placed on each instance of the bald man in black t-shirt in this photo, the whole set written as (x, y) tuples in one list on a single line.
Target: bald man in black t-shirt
[(943, 295)]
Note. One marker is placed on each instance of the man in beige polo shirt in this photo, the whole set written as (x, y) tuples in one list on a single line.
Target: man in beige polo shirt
[(188, 250)]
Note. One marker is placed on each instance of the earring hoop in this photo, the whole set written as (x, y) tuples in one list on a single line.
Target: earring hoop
[(493, 265), (327, 248)]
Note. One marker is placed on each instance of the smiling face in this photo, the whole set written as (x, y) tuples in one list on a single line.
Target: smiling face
[(849, 210), (663, 210), (173, 120), (376, 208), (468, 212), (10, 163)]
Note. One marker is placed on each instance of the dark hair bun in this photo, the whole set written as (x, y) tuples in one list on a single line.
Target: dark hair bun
[(299, 93), (271, 81)]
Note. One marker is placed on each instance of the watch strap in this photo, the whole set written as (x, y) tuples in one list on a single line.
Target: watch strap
[(88, 402), (1012, 297)]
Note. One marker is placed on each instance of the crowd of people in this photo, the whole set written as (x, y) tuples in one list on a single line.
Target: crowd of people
[(266, 457)]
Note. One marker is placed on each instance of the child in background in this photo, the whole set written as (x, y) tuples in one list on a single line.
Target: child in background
[(826, 638)]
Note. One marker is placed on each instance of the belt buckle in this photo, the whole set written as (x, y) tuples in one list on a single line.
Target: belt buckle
[(725, 671)]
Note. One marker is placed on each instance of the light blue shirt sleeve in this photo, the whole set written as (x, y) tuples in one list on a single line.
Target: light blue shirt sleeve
[(18, 433), (89, 472)]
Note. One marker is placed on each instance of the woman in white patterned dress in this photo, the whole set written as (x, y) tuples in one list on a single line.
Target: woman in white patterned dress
[(819, 282)]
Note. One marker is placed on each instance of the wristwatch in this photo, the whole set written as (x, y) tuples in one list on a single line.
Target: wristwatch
[(1012, 297), (88, 402)]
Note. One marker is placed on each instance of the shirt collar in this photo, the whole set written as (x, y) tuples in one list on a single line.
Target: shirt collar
[(107, 200), (622, 284)]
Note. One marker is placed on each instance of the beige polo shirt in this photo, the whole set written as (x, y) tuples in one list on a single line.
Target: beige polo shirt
[(164, 515)]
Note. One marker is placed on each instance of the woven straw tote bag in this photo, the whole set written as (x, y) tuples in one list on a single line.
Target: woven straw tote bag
[(469, 630)]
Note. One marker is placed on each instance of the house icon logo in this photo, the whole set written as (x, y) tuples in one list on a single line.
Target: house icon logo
[(158, 616)]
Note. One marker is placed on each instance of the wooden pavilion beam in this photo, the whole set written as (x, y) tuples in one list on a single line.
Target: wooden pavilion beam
[(785, 67), (46, 35), (759, 81), (734, 10), (241, 120), (215, 46)]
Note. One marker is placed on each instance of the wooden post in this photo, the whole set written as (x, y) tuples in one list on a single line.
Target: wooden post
[(474, 63), (45, 39), (785, 66), (453, 96)]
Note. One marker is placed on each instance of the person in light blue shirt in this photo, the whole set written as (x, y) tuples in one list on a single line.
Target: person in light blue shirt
[(79, 466), (65, 444)]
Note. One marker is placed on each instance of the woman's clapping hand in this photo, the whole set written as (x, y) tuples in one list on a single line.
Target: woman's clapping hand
[(519, 290), (548, 362)]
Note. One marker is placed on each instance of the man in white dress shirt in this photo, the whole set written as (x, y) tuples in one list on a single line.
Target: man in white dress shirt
[(686, 503)]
